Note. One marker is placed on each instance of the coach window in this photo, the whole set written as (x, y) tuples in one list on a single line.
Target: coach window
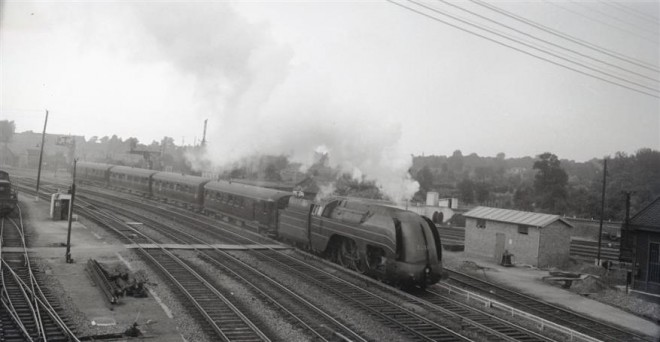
[(523, 229), (481, 223)]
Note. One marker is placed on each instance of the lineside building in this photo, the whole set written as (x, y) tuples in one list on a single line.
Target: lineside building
[(641, 244), (535, 239)]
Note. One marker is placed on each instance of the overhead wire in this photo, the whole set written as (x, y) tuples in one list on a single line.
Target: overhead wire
[(653, 92), (549, 42), (573, 39), (593, 9), (600, 22), (649, 19)]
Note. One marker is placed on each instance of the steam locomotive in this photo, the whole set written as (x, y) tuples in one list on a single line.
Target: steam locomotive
[(8, 195), (387, 243)]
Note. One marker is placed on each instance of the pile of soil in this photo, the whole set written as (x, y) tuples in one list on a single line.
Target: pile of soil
[(589, 285)]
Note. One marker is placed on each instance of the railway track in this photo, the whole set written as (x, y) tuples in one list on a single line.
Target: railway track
[(601, 330), (479, 322), (468, 316), (27, 313), (323, 326), (223, 319)]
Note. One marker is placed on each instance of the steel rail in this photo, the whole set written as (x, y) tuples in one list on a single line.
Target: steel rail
[(549, 311), (38, 320), (348, 332), (110, 221), (32, 290), (387, 318), (4, 296)]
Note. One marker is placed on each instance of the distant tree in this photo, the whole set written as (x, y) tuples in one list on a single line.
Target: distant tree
[(550, 183), (93, 140), (456, 162), (425, 178), (272, 174), (523, 198), (466, 190), (481, 192), (132, 143)]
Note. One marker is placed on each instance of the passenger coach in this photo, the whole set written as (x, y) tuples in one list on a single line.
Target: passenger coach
[(131, 178), (258, 207), (181, 188), (93, 172)]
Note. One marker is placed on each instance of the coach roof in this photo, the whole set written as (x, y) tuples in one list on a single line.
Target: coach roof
[(133, 171), (246, 190), (180, 178), (93, 166)]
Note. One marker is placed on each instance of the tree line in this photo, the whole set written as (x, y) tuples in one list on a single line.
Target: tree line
[(543, 184)]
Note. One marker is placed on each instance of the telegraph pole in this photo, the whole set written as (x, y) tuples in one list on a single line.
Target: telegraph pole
[(69, 260), (602, 211), (41, 154)]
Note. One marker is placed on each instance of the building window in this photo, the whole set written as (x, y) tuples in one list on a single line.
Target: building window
[(481, 223), (523, 229), (654, 262)]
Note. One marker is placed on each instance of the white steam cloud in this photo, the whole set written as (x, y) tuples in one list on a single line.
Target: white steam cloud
[(258, 103)]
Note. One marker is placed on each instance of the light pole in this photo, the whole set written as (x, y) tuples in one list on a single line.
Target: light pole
[(73, 195)]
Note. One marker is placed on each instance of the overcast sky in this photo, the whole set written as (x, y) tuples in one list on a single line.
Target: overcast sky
[(358, 79)]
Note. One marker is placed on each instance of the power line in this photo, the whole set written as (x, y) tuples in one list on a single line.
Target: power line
[(531, 46), (573, 39), (595, 10), (649, 19), (602, 22), (549, 42), (521, 50)]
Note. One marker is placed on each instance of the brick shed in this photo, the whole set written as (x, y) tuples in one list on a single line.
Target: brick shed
[(536, 239)]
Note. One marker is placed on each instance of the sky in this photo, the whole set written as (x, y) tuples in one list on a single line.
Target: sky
[(370, 82)]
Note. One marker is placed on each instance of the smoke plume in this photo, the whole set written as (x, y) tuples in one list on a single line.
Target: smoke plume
[(257, 102)]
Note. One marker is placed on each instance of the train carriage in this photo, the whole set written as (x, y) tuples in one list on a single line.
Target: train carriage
[(131, 178), (258, 207), (8, 195), (93, 172), (179, 187)]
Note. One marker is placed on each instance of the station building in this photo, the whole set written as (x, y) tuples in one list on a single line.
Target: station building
[(643, 233), (535, 239)]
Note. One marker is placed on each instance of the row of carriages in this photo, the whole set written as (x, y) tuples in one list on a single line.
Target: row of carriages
[(255, 206)]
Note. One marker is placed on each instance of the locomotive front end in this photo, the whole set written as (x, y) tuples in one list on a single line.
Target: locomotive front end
[(418, 251)]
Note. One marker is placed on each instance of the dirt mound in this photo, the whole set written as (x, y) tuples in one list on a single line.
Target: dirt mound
[(589, 285)]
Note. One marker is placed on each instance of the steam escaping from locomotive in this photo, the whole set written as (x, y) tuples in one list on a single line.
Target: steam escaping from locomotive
[(259, 102)]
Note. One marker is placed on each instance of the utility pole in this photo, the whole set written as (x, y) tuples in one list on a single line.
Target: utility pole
[(69, 260), (41, 155), (626, 241), (602, 211)]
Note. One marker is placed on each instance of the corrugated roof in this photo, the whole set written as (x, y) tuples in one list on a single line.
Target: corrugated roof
[(514, 216), (649, 217)]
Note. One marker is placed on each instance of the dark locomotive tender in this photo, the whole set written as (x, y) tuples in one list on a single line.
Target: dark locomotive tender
[(394, 245), (8, 195)]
